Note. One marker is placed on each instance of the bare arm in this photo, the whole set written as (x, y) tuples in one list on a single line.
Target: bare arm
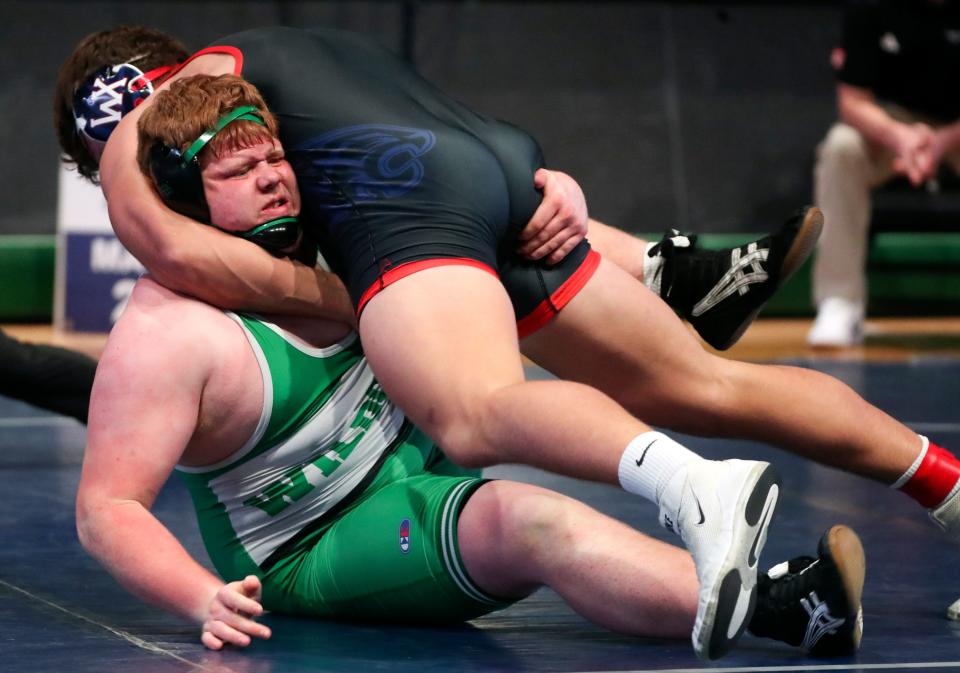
[(910, 143), (200, 261), (143, 412)]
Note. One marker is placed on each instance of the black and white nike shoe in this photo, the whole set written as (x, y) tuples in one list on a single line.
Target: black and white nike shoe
[(720, 292), (723, 513), (814, 603)]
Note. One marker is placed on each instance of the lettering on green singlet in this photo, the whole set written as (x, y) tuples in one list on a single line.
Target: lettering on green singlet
[(294, 484)]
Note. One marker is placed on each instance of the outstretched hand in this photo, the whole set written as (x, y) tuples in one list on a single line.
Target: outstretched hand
[(559, 223), (230, 615)]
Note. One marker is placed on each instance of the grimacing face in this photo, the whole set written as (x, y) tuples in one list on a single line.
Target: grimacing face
[(250, 186)]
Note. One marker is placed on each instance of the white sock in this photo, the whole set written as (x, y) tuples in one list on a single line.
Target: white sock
[(649, 462), (912, 470), (652, 269)]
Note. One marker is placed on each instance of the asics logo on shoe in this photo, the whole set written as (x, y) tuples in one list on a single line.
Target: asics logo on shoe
[(745, 270), (644, 454), (821, 621)]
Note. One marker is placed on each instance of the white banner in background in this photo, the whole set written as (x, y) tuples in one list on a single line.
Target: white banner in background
[(95, 273)]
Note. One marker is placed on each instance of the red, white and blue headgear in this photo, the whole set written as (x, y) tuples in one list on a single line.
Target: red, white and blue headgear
[(106, 96)]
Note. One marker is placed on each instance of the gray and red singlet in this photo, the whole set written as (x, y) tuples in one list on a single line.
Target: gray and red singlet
[(396, 175)]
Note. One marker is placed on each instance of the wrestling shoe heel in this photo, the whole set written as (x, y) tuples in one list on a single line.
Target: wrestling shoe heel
[(815, 603)]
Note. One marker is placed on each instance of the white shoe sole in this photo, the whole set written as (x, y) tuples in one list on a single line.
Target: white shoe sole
[(724, 614)]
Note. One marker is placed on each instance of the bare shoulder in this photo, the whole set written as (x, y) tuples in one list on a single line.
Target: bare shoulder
[(161, 328)]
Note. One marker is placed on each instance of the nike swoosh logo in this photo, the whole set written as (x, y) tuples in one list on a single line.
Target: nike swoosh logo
[(699, 508), (644, 454), (761, 536)]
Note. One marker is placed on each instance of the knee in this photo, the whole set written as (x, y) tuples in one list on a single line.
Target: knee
[(463, 436), (462, 448), (844, 146), (481, 430), (541, 521)]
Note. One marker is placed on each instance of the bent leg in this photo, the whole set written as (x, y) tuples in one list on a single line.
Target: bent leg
[(847, 169), (443, 345), (46, 376), (616, 335), (456, 371), (516, 537), (625, 250)]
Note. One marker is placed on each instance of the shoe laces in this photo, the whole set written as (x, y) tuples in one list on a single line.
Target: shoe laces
[(785, 584), (788, 576), (671, 241), (672, 247)]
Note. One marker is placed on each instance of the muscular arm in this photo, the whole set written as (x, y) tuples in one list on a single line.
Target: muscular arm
[(194, 259), (143, 412), (142, 415)]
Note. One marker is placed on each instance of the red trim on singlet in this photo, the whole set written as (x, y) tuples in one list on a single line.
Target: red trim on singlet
[(935, 478), (409, 268), (551, 306), (217, 49)]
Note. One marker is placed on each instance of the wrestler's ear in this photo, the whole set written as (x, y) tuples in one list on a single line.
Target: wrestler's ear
[(178, 182)]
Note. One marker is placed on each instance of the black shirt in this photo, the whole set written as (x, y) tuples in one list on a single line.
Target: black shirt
[(906, 52)]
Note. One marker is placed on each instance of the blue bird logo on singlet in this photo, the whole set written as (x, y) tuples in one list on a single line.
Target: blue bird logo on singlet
[(360, 164)]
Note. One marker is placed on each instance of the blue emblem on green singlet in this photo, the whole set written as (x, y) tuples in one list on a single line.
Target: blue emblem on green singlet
[(405, 536)]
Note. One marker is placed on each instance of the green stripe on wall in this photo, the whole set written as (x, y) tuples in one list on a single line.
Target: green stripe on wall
[(26, 278), (910, 273)]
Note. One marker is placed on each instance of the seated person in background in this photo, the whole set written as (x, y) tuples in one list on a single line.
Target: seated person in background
[(899, 103), (317, 497)]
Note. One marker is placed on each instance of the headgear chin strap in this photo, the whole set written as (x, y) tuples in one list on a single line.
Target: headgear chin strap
[(279, 235), (178, 179), (106, 96)]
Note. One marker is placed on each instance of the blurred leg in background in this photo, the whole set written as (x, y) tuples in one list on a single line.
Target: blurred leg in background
[(49, 377)]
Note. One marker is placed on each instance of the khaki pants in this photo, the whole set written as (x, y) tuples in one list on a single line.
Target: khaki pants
[(848, 167)]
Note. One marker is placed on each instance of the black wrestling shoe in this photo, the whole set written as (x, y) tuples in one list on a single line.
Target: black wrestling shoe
[(720, 292), (815, 602)]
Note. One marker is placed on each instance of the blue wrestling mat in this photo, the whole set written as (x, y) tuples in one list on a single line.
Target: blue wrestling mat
[(60, 612)]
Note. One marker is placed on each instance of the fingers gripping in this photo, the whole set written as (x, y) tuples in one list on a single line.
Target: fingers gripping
[(559, 223)]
